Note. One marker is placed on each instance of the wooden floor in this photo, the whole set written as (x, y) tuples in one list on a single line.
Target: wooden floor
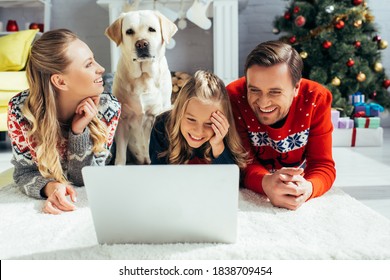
[(362, 172)]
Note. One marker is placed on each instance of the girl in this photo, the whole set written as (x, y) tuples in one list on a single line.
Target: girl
[(63, 122), (197, 130)]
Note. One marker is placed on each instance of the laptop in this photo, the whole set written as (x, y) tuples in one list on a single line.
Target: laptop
[(163, 203)]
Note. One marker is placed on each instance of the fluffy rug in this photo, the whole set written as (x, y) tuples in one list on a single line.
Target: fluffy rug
[(334, 226)]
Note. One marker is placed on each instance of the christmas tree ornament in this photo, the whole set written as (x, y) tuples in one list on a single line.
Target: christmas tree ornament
[(12, 26), (382, 44), (329, 9), (357, 44), (336, 81), (378, 67), (339, 24), (361, 77), (300, 21), (326, 44), (292, 39), (197, 13), (386, 83), (287, 16), (373, 95), (182, 23), (350, 62), (358, 23), (296, 9), (357, 2), (376, 38), (303, 54), (275, 30)]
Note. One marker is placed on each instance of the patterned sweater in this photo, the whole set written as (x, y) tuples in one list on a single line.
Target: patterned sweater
[(75, 151), (304, 138)]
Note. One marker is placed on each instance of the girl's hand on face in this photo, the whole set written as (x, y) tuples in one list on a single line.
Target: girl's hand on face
[(56, 201), (85, 112), (220, 126)]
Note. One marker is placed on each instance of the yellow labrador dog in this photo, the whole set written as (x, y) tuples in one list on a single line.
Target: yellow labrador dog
[(142, 82)]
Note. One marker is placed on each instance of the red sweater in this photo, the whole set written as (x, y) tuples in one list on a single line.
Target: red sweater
[(305, 135)]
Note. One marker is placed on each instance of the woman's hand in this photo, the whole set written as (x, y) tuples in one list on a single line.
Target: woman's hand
[(56, 201), (220, 125), (85, 112)]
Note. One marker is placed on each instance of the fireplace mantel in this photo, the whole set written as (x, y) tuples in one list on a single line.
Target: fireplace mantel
[(225, 32)]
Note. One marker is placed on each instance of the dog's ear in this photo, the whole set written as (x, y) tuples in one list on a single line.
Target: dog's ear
[(114, 31), (168, 28)]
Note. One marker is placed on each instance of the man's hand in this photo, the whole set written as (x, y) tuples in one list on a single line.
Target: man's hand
[(287, 188)]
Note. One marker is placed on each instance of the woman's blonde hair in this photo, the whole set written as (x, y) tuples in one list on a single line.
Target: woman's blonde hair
[(48, 57), (206, 87)]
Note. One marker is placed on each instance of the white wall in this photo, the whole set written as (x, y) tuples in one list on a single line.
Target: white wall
[(193, 45)]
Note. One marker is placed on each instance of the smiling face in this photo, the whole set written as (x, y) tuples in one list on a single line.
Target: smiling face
[(83, 76), (270, 92), (195, 125)]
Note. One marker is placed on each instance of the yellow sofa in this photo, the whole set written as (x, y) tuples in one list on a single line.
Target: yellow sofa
[(11, 82), (14, 51)]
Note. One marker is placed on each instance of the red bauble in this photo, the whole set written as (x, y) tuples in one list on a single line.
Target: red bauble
[(350, 62), (339, 24), (357, 44), (296, 9), (12, 26), (34, 25), (292, 39), (386, 83), (357, 2), (287, 16), (300, 21), (326, 44)]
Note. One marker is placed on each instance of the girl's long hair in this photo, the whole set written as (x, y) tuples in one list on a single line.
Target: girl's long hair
[(48, 57), (207, 87)]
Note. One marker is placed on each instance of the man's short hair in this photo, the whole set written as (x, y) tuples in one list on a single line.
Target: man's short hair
[(274, 52)]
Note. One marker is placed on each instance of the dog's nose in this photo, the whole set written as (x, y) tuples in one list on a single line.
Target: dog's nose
[(141, 44)]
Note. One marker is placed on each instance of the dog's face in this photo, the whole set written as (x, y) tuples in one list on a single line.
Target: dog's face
[(142, 35)]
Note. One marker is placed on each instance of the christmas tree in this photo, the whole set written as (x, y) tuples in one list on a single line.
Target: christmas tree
[(340, 47)]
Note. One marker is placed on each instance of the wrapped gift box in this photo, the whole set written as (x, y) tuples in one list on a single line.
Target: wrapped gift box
[(367, 122), (358, 137), (345, 123), (335, 117), (357, 97), (368, 109)]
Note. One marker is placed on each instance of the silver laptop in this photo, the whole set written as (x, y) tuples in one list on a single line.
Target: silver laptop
[(163, 203)]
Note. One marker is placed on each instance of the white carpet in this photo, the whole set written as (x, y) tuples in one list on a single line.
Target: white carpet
[(334, 226)]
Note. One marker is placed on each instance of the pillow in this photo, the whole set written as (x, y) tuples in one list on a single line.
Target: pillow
[(14, 49)]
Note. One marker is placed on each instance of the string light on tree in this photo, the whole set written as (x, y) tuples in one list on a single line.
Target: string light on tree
[(358, 23), (329, 9)]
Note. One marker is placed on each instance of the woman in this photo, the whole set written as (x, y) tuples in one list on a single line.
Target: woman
[(63, 122)]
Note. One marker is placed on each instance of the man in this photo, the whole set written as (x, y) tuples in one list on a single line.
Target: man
[(285, 124)]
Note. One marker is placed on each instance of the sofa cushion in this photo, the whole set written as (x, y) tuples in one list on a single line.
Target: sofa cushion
[(14, 49)]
